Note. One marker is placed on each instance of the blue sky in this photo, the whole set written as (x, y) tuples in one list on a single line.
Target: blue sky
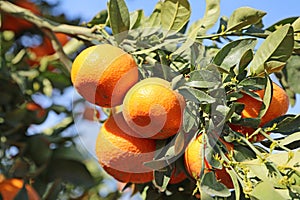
[(276, 10)]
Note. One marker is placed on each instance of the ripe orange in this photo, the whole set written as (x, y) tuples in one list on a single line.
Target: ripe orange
[(9, 188), (15, 24), (177, 176), (122, 155), (278, 107), (103, 74), (193, 162), (153, 110)]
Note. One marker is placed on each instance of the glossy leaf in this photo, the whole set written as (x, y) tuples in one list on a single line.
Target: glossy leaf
[(119, 18), (154, 20), (195, 95), (211, 186), (278, 46), (211, 16), (288, 125), (245, 60), (175, 14), (267, 97), (136, 18), (280, 23), (100, 18), (243, 17), (205, 76), (293, 73), (232, 52), (190, 116), (260, 192), (290, 139)]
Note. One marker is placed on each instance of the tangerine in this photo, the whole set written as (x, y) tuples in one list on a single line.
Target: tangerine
[(153, 110), (193, 162), (103, 74), (122, 155), (9, 188), (279, 106)]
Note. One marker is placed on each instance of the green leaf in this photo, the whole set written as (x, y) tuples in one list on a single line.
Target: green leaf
[(282, 22), (288, 125), (232, 52), (211, 186), (235, 182), (69, 153), (267, 97), (293, 73), (136, 18), (243, 153), (290, 139), (157, 164), (39, 148), (253, 83), (154, 20), (244, 16), (175, 14), (195, 95), (59, 81), (119, 18), (190, 120), (71, 171), (245, 60), (296, 27), (100, 18), (278, 46), (264, 190), (205, 76), (211, 16), (22, 194)]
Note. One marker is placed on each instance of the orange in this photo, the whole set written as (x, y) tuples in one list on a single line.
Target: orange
[(103, 74), (122, 155), (153, 110), (279, 106), (193, 162), (177, 176), (9, 188), (16, 24)]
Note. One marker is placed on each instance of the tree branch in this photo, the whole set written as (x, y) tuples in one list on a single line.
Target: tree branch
[(81, 32)]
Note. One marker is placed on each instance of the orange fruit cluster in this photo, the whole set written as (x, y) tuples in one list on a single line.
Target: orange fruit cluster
[(107, 76), (9, 188), (279, 106)]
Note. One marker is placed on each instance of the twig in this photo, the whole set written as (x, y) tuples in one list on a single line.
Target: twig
[(58, 48), (81, 32)]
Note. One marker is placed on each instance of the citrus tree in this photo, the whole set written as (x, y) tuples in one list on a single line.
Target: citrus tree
[(182, 113)]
